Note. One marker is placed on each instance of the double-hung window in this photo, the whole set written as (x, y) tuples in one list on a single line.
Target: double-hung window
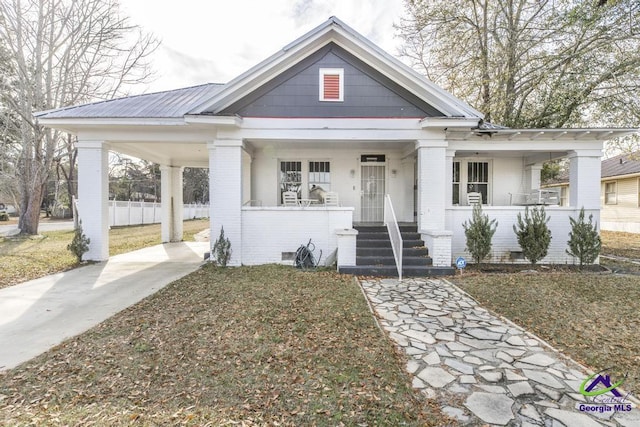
[(319, 180), (456, 183), (290, 177), (308, 179), (470, 177), (478, 179), (611, 193)]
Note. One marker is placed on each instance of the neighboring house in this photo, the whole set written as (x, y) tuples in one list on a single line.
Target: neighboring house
[(619, 193), (330, 110)]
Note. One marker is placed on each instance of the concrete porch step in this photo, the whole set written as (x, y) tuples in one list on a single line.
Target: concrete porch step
[(383, 243), (381, 235), (387, 251), (374, 256), (377, 228), (390, 260), (391, 271)]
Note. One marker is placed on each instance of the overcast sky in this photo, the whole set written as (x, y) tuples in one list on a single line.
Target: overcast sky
[(215, 40)]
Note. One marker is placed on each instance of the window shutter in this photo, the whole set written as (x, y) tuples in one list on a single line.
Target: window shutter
[(331, 86)]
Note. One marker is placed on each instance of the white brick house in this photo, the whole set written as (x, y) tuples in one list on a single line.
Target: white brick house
[(332, 110)]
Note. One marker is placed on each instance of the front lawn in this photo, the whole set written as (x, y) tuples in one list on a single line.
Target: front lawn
[(240, 346)]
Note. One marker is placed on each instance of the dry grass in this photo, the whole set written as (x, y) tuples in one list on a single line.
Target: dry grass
[(625, 245), (25, 258), (621, 244), (265, 345)]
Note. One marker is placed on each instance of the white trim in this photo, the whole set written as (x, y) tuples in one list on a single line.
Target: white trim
[(561, 134), (331, 71), (213, 120), (449, 122)]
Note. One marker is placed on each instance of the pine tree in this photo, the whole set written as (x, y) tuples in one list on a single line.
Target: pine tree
[(584, 240), (80, 243), (221, 253), (479, 232), (534, 236)]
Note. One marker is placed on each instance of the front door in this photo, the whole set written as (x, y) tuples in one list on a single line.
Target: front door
[(372, 187)]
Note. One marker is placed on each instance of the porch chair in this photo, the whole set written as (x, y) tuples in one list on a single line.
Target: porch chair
[(290, 198), (331, 199), (474, 198)]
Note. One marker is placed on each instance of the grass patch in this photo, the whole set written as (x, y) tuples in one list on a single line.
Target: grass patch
[(619, 244), (261, 345), (24, 258)]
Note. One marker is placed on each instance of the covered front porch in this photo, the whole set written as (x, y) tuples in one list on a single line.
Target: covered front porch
[(428, 181)]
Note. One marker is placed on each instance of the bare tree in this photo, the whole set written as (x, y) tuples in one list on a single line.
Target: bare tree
[(531, 63), (62, 52)]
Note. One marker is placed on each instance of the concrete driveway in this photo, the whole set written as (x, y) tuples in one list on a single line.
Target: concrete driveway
[(41, 313)]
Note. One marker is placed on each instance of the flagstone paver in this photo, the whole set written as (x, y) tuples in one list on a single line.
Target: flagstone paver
[(480, 368)]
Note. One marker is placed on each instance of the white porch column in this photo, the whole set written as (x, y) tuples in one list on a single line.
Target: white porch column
[(171, 203), (93, 197), (435, 170), (584, 179), (225, 194), (532, 176), (432, 186), (448, 175)]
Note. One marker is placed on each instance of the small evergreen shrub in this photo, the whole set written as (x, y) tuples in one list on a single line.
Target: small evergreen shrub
[(479, 232), (221, 252), (584, 240), (534, 236), (80, 243), (4, 216)]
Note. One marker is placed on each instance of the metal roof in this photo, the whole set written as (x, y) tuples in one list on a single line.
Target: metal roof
[(623, 164), (168, 104)]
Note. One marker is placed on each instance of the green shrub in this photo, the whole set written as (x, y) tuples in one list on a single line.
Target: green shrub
[(4, 216), (479, 232), (534, 236), (221, 253), (584, 240), (80, 243)]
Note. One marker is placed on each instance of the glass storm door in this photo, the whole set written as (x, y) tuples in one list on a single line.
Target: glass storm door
[(372, 186)]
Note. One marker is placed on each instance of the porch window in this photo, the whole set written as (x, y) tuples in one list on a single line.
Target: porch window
[(456, 183), (470, 177), (332, 84), (319, 179), (610, 193), (478, 179), (290, 177)]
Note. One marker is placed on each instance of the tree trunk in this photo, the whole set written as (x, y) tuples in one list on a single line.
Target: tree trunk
[(30, 213)]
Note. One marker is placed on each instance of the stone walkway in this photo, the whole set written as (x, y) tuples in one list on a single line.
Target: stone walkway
[(483, 370)]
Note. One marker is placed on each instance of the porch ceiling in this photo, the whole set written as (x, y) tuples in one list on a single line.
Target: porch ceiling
[(187, 154), (533, 154)]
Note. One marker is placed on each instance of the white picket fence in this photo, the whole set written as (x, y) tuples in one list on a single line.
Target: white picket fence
[(136, 213)]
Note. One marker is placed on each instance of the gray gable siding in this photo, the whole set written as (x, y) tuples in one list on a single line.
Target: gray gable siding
[(367, 93)]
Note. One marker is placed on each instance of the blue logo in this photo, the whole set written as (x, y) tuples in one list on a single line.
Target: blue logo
[(604, 394), (605, 381), (461, 263)]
